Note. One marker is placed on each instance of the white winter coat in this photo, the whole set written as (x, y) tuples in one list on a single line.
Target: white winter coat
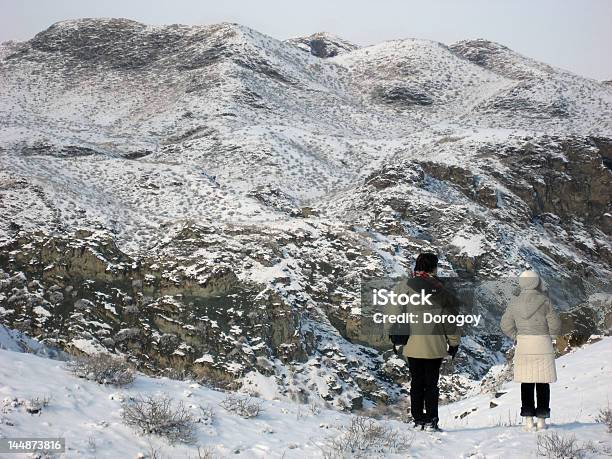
[(531, 320)]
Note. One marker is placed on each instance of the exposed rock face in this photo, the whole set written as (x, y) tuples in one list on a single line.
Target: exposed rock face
[(83, 292), (91, 290), (566, 177), (277, 200), (390, 175), (517, 100), (207, 199), (179, 315), (323, 44), (126, 44), (593, 317), (402, 96)]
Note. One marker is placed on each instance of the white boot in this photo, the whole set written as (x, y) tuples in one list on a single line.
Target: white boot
[(542, 424), (528, 425)]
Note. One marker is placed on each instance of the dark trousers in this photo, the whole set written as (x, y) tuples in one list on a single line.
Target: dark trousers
[(424, 374), (528, 407)]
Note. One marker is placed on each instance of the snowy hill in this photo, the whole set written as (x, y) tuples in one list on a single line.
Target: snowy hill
[(88, 416), (205, 199), (539, 89)]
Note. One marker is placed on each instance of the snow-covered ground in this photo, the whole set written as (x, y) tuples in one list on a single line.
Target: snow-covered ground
[(88, 415)]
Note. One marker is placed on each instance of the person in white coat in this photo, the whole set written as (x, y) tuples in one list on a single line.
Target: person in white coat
[(532, 322)]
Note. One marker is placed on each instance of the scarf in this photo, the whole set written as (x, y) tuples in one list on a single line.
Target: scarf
[(428, 277)]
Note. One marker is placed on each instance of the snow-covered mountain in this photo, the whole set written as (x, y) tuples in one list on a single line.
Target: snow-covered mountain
[(206, 199)]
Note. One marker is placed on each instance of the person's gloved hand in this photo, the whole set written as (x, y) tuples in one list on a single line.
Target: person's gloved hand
[(452, 351)]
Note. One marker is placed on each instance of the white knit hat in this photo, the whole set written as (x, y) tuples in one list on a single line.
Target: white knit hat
[(529, 280)]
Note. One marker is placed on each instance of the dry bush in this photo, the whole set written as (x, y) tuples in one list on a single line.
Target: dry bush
[(207, 415), (35, 404), (399, 411), (158, 415), (178, 374), (245, 407), (155, 452), (554, 446), (204, 453), (365, 437), (605, 417), (511, 420), (102, 368)]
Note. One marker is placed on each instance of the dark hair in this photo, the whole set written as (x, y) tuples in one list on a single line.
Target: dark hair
[(427, 262)]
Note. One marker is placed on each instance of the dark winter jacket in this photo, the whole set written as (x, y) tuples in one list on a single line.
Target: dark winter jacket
[(430, 341)]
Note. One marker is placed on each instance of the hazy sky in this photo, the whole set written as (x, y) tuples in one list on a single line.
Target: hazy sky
[(572, 34)]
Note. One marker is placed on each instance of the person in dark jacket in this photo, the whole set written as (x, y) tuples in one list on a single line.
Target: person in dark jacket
[(428, 344)]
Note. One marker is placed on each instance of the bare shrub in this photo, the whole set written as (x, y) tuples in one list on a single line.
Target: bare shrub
[(158, 415), (511, 420), (399, 411), (35, 404), (555, 446), (178, 374), (216, 379), (41, 455), (207, 415), (245, 407), (605, 417), (315, 409), (102, 368), (92, 445), (204, 453), (365, 437), (155, 452)]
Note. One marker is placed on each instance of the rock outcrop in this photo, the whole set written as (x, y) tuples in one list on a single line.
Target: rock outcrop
[(323, 44)]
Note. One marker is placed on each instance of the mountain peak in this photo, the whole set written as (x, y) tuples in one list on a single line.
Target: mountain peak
[(499, 59), (128, 44), (323, 44)]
